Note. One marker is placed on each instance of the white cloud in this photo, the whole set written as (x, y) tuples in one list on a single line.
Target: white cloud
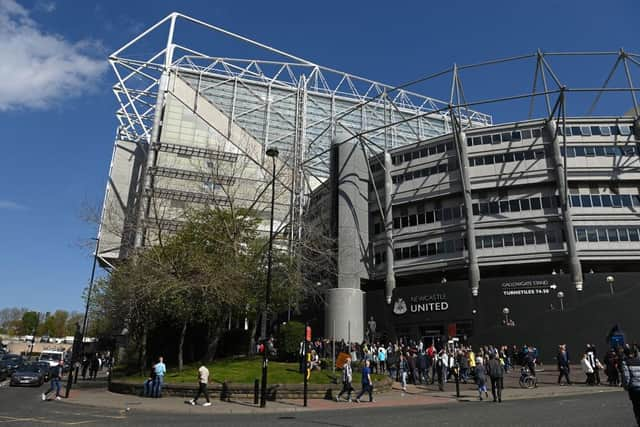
[(38, 68), (46, 6), (8, 204)]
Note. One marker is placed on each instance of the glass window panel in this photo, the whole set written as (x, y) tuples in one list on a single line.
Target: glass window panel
[(518, 239), (633, 234), (540, 238), (539, 154), (423, 250), (430, 217), (504, 206), (414, 252), (612, 233), (486, 139), (526, 134), (459, 245), (524, 204), (626, 200), (456, 212), (439, 248), (449, 146), (600, 151), (397, 253), (605, 130), (586, 200), (433, 170), (432, 149), (396, 222), (376, 228), (529, 155), (506, 137), (575, 130), (442, 168), (581, 234), (498, 158), (615, 200), (497, 241), (408, 176), (636, 200), (624, 130), (610, 150), (479, 161), (406, 253), (438, 213), (579, 151), (415, 154), (546, 202), (535, 203), (407, 157), (595, 130), (592, 235), (413, 220), (494, 208), (514, 205), (585, 130), (516, 135), (405, 221), (477, 140), (484, 208), (596, 201), (487, 242), (622, 234), (478, 242), (431, 249), (602, 234), (446, 214), (551, 237), (508, 239), (537, 133), (475, 208), (518, 155), (571, 151), (424, 152), (421, 218), (496, 138), (590, 151), (529, 238), (448, 246), (508, 157), (606, 200), (575, 201), (488, 160), (424, 173), (442, 148)]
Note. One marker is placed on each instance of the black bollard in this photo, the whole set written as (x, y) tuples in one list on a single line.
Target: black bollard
[(256, 390), (457, 376)]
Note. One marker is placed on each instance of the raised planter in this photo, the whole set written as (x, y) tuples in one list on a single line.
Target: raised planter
[(227, 391)]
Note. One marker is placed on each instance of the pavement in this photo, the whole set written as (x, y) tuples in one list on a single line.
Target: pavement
[(415, 395)]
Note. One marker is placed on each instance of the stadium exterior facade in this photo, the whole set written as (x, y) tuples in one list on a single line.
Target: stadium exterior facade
[(441, 219)]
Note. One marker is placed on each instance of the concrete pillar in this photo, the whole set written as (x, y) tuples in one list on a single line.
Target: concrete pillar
[(390, 283), (346, 302), (572, 253)]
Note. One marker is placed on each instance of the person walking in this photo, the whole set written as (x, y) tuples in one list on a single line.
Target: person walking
[(563, 364), (55, 376), (481, 378), (203, 380), (160, 370), (367, 384), (595, 363), (587, 369), (347, 377), (403, 365), (496, 374), (631, 381)]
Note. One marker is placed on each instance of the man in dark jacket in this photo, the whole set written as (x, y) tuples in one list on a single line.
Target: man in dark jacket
[(631, 381), (496, 374), (563, 364)]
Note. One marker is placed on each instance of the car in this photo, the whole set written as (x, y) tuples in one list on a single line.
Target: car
[(27, 374), (12, 361), (4, 371), (45, 369), (52, 357)]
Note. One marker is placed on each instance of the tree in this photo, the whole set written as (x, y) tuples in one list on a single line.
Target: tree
[(29, 323)]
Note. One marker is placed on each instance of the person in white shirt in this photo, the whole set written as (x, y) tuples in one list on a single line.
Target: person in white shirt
[(203, 380)]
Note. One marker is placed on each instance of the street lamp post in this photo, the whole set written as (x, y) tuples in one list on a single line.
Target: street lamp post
[(273, 153), (505, 311), (86, 308), (560, 296), (610, 281)]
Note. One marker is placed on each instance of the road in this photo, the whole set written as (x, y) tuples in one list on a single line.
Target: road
[(23, 407)]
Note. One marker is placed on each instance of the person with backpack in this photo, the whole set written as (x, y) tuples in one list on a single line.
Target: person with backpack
[(496, 375), (347, 377), (631, 381), (55, 376)]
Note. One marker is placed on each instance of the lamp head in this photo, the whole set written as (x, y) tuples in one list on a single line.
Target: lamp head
[(272, 152)]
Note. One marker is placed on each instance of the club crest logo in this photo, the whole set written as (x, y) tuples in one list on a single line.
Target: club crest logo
[(399, 307)]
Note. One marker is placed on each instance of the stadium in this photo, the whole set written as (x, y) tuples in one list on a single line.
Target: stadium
[(445, 223)]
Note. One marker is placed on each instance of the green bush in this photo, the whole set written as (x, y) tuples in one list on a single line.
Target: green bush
[(289, 341)]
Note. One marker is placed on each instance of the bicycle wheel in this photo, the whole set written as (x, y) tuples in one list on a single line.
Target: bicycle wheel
[(530, 382)]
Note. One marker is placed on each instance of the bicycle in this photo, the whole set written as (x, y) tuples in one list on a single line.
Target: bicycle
[(526, 379)]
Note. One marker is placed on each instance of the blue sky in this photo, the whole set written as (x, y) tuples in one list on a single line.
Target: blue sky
[(57, 111)]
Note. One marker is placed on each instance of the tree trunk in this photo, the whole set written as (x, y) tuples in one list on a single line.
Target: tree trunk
[(214, 340), (183, 333), (252, 337), (142, 356)]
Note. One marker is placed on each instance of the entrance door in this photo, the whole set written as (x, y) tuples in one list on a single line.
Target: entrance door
[(431, 334)]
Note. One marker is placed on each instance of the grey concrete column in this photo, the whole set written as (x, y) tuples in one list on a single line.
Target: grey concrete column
[(572, 252), (144, 197), (345, 310), (390, 283), (465, 181)]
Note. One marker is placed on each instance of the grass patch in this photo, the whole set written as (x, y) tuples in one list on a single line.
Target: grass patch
[(247, 370)]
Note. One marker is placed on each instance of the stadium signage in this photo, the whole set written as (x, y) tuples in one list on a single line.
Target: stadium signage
[(527, 287)]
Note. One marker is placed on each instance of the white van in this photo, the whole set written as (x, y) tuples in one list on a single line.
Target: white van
[(52, 356)]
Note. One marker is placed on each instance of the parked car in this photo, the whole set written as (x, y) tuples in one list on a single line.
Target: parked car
[(27, 374), (12, 361), (52, 357), (4, 371), (45, 368)]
